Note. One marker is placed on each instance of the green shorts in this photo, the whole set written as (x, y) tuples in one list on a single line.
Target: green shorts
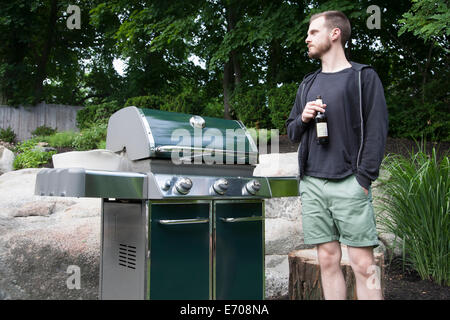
[(337, 210)]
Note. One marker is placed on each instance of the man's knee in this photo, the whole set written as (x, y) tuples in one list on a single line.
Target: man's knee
[(329, 255), (362, 263)]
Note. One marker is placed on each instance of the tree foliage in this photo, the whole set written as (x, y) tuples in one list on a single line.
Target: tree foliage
[(238, 55), (429, 20)]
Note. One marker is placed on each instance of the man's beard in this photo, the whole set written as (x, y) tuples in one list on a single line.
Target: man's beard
[(321, 49)]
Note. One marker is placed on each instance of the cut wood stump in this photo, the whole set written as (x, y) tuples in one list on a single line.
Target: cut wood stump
[(304, 275)]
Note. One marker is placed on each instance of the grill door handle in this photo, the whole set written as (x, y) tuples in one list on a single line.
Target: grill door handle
[(244, 219), (183, 221)]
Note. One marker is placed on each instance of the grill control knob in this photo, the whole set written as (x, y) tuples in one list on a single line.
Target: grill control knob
[(183, 185), (253, 186), (166, 185), (221, 186)]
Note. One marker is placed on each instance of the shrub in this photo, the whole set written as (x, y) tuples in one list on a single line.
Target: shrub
[(43, 131), (149, 102), (90, 138), (189, 100), (63, 139), (96, 114), (214, 108), (101, 144), (414, 116), (29, 157), (7, 135), (250, 106), (281, 101), (263, 136), (415, 201)]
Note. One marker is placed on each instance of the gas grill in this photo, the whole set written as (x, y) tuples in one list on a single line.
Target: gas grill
[(183, 218)]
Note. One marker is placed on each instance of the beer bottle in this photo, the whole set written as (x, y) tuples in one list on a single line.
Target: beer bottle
[(321, 125)]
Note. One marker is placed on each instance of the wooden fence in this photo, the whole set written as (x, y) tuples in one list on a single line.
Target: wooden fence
[(24, 120)]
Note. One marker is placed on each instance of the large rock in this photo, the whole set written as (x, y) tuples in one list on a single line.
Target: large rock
[(6, 160), (283, 230), (283, 233), (277, 165), (277, 275), (99, 159), (41, 237)]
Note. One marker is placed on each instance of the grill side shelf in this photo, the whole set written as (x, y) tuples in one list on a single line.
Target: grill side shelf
[(79, 182), (283, 186)]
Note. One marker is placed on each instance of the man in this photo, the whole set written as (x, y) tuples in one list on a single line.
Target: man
[(335, 178)]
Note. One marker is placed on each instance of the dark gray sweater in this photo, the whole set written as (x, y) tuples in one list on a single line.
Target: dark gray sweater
[(357, 124)]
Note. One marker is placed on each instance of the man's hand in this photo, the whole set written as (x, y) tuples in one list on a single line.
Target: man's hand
[(365, 191), (311, 109)]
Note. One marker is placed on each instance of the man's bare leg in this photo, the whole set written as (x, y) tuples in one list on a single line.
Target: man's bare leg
[(333, 282), (366, 273)]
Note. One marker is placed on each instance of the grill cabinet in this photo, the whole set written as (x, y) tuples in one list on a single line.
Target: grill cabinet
[(184, 217)]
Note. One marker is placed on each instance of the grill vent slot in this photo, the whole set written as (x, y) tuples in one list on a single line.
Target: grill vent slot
[(127, 256)]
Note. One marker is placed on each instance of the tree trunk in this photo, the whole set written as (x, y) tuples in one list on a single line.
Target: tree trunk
[(41, 72), (232, 68), (274, 63), (227, 70), (12, 80), (304, 275), (236, 68), (231, 25), (425, 71)]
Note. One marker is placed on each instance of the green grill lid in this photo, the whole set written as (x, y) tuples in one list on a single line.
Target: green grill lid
[(148, 133)]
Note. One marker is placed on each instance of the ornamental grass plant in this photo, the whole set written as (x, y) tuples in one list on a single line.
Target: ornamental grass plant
[(414, 206)]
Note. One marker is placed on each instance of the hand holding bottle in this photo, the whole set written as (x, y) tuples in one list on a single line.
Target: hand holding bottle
[(311, 109)]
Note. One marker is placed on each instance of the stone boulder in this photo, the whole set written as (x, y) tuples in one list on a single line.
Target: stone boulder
[(283, 226), (42, 237), (277, 165), (6, 160), (99, 159)]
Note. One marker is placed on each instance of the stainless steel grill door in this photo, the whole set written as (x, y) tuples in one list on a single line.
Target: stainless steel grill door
[(180, 262), (239, 249)]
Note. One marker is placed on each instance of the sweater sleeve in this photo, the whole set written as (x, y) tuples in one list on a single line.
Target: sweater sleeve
[(294, 124), (375, 119)]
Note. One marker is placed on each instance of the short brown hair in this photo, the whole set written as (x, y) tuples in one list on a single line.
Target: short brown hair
[(335, 19)]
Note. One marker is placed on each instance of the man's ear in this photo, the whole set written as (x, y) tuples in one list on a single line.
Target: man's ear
[(335, 34)]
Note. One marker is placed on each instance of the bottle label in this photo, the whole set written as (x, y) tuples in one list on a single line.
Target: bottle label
[(322, 130)]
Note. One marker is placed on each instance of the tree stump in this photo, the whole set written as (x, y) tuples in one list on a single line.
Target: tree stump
[(304, 275)]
